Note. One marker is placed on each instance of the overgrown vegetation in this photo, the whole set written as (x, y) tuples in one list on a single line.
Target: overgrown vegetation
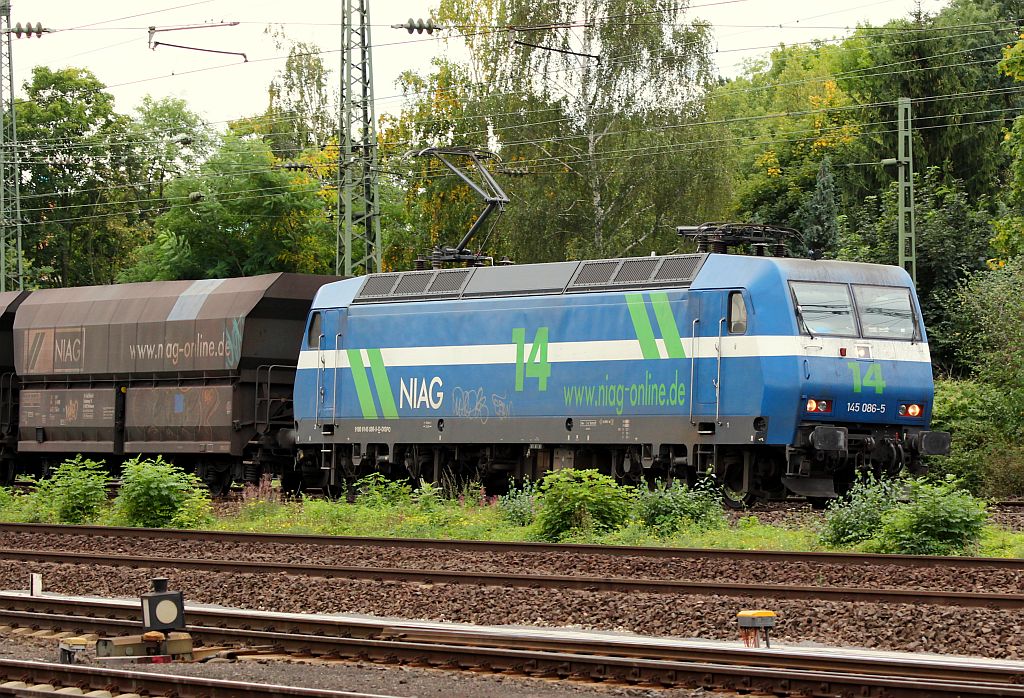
[(910, 517), (985, 409), (377, 491), (578, 502), (74, 494), (668, 507), (155, 494), (914, 517), (858, 516), (939, 518), (520, 505)]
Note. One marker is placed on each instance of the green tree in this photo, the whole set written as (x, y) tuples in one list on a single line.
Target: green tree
[(944, 63), (786, 116), (614, 147), (238, 217), (952, 240), (301, 107), (170, 140), (819, 215), (78, 187), (985, 325)]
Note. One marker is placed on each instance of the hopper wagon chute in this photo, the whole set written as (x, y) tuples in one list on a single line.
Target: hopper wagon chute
[(200, 372)]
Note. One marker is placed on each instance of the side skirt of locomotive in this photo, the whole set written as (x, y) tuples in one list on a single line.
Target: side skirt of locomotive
[(821, 463)]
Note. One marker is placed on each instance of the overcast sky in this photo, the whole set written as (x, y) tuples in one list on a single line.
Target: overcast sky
[(111, 39)]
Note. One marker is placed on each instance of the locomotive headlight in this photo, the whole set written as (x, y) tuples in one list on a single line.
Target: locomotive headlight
[(819, 406), (910, 410)]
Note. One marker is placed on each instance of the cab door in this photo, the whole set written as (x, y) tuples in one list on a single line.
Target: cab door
[(329, 359), (711, 320)]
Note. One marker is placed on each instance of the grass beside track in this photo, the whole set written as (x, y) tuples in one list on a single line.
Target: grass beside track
[(478, 521), (470, 515), (453, 520)]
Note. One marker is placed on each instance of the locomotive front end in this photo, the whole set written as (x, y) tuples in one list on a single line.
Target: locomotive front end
[(866, 386)]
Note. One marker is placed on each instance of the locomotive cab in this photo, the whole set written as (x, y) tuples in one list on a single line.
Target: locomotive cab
[(866, 383)]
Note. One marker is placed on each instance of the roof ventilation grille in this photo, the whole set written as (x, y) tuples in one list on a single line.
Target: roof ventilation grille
[(378, 285)]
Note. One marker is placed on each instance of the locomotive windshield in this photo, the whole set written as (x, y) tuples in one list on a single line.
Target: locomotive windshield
[(825, 309), (885, 312)]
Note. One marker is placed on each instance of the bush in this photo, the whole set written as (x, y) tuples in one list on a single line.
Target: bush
[(155, 493), (376, 491), (985, 421), (10, 505), (429, 497), (667, 508), (941, 518), (858, 516), (74, 494), (985, 325), (519, 507), (580, 500)]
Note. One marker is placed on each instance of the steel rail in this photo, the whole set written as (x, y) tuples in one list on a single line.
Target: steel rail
[(28, 674), (503, 579), (505, 547), (626, 659)]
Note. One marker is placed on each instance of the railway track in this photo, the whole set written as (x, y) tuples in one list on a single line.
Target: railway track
[(503, 579), (597, 657), (499, 547), (27, 678)]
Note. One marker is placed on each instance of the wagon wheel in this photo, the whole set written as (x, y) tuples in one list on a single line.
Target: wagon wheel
[(737, 482), (632, 468), (218, 480)]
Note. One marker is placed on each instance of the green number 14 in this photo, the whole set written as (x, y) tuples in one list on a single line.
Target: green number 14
[(537, 365), (872, 378)]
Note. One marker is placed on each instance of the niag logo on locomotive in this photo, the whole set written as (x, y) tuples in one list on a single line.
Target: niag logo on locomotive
[(418, 392)]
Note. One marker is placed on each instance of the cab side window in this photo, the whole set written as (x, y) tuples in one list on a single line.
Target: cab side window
[(315, 330), (737, 313)]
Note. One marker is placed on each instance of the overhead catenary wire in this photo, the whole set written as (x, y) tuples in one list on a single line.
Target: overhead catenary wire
[(397, 43), (537, 161), (417, 40), (691, 124), (654, 150), (739, 91), (697, 124)]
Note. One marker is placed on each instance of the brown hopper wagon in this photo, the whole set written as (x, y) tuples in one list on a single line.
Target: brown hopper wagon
[(9, 302), (200, 372)]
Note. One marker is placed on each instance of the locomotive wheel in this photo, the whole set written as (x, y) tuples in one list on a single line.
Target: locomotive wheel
[(6, 474), (737, 483)]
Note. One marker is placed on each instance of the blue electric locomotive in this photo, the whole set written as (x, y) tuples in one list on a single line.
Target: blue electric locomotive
[(776, 375)]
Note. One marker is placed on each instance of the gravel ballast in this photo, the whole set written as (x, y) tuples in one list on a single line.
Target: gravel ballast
[(967, 631), (696, 569)]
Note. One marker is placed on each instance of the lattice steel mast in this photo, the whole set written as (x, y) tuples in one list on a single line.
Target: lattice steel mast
[(358, 219), (907, 227), (10, 170)]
